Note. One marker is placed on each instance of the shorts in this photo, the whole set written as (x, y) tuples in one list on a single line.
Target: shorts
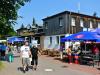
[(25, 61)]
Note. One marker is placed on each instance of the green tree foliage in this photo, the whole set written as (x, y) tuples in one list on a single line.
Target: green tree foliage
[(8, 14)]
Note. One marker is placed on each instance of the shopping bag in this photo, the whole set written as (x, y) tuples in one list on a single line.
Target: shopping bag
[(30, 59)]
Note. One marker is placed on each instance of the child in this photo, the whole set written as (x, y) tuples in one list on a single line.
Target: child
[(10, 55)]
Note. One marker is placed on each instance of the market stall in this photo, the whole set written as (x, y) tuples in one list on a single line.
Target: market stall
[(84, 36)]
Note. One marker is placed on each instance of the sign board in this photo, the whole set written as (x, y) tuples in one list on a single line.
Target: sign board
[(34, 42), (3, 41)]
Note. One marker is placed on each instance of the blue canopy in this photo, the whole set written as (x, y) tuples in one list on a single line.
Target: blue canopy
[(85, 35), (97, 30), (15, 39)]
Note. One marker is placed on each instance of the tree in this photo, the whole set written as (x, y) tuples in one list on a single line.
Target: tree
[(34, 22), (22, 26), (94, 14), (8, 14)]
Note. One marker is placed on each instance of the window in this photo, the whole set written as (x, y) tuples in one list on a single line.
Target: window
[(81, 23), (73, 29), (46, 25), (50, 40), (73, 21), (85, 29), (98, 24), (57, 38), (91, 24), (60, 21)]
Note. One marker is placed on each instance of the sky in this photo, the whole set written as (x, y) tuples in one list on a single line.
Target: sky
[(40, 9)]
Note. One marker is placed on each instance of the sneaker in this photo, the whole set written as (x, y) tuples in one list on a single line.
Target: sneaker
[(34, 68), (26, 69)]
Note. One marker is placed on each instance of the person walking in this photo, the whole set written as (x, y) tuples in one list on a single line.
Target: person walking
[(10, 55), (34, 55), (3, 53), (25, 54)]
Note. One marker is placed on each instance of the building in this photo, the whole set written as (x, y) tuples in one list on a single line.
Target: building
[(31, 33), (64, 24)]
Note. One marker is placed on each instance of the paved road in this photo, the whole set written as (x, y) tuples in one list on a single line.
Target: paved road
[(45, 64)]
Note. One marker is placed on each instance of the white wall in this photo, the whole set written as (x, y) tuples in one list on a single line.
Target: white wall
[(46, 42), (53, 45)]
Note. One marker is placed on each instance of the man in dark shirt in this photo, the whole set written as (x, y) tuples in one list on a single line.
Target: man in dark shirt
[(34, 53)]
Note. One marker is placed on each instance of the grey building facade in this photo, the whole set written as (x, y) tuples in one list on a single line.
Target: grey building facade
[(69, 22)]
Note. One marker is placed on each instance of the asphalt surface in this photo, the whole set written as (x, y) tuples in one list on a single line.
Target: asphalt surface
[(47, 66)]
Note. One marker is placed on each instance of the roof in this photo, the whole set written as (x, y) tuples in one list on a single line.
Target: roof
[(21, 29), (72, 13)]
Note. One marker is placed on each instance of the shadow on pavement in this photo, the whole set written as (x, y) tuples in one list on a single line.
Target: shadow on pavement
[(62, 60), (21, 68), (30, 67), (64, 66)]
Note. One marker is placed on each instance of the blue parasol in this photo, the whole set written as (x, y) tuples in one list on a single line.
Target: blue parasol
[(85, 36), (15, 39)]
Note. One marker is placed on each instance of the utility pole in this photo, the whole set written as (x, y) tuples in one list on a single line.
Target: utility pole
[(69, 22), (78, 7)]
